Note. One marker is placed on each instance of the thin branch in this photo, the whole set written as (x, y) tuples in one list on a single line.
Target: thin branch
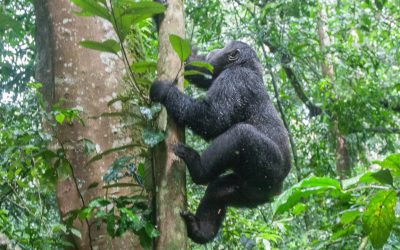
[(376, 130), (295, 82)]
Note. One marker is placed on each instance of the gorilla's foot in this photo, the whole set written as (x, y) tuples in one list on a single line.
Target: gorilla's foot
[(198, 231)]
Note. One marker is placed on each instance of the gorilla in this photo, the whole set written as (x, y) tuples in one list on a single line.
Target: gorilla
[(248, 137)]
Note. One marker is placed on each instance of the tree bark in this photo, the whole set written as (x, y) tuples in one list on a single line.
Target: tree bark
[(170, 182), (44, 68), (86, 80), (343, 163)]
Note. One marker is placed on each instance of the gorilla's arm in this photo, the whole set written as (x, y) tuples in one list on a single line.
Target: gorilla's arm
[(209, 117)]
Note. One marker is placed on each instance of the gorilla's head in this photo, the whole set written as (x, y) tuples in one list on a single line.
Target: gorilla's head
[(235, 53)]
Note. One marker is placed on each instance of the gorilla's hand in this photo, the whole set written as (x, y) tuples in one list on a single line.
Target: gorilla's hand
[(159, 91)]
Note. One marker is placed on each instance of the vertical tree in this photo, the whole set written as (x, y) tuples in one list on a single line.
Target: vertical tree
[(85, 80), (343, 166), (169, 170)]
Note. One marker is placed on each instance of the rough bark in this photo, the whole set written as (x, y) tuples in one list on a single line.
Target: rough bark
[(170, 192), (343, 163), (86, 80)]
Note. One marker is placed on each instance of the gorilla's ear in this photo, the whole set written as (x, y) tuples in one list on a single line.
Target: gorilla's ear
[(234, 55)]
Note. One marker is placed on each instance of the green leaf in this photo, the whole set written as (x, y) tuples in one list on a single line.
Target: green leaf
[(380, 4), (110, 45), (201, 64), (127, 13), (60, 117), (299, 208), (378, 218), (143, 67), (116, 167), (99, 202), (111, 225), (381, 176), (283, 75), (109, 151), (63, 168), (85, 213), (151, 231), (391, 162), (181, 46), (309, 186), (92, 8), (193, 72), (93, 185), (349, 216), (152, 138), (89, 146), (143, 9), (76, 232), (343, 232)]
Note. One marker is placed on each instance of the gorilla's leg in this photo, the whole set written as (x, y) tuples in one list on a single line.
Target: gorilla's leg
[(242, 146), (220, 193)]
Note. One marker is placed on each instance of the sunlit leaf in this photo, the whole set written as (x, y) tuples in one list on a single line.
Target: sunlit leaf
[(91, 8), (391, 162), (181, 46), (201, 64), (378, 218), (60, 117), (349, 216), (311, 185), (110, 45)]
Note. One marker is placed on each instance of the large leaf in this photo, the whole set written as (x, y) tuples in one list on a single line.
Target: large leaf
[(110, 45), (91, 8), (201, 64), (382, 176), (379, 217), (303, 189), (181, 46), (392, 163), (141, 9), (127, 13)]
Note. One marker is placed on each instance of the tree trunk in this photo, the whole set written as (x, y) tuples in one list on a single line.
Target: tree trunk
[(170, 183), (343, 164), (86, 80)]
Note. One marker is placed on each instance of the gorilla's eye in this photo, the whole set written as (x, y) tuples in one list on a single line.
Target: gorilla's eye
[(234, 55)]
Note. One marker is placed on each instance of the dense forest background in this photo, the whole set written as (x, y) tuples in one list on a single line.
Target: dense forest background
[(81, 145)]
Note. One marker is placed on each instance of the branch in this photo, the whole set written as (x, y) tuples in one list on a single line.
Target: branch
[(377, 130), (388, 105), (285, 60)]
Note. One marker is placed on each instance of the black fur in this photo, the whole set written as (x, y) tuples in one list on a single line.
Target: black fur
[(247, 136)]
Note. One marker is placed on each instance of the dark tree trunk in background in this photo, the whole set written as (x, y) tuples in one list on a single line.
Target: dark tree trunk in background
[(343, 163), (44, 68), (170, 183), (86, 80)]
